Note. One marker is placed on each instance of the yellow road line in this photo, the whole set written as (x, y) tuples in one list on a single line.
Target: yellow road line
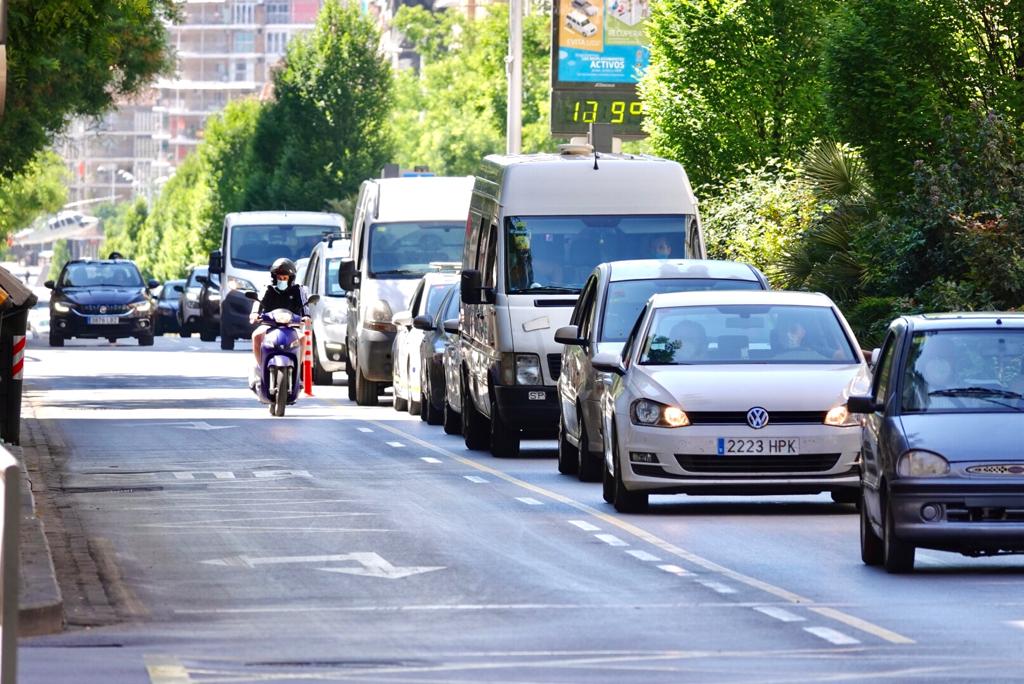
[(667, 547)]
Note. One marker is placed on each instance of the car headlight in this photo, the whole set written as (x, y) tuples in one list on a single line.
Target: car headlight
[(240, 284), (839, 416), (145, 306), (61, 307), (655, 414), (378, 317), (520, 369), (281, 316), (917, 463), (192, 297)]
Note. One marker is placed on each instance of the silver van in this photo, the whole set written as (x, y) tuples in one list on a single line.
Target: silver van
[(538, 226)]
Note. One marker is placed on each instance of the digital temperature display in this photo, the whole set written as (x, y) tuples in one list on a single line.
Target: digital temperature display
[(572, 112)]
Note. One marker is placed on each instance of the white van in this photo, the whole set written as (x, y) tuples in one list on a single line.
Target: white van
[(580, 23), (538, 226), (401, 227), (328, 314), (250, 242)]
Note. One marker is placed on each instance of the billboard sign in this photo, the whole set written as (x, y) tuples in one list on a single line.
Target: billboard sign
[(599, 50)]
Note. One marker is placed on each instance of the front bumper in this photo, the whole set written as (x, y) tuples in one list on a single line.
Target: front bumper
[(974, 516), (74, 324), (531, 409), (688, 460), (234, 315)]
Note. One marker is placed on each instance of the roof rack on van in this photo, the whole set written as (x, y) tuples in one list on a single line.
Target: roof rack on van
[(575, 148), (442, 266), (330, 236)]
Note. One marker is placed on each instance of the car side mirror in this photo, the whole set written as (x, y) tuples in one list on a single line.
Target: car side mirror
[(48, 284), (403, 318), (569, 334), (608, 363), (178, 288), (202, 280), (348, 278), (873, 357), (216, 264), (472, 290), (423, 323), (153, 284), (862, 404), (313, 299), (451, 326), (249, 294)]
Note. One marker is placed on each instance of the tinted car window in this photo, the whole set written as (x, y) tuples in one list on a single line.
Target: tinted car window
[(100, 275), (626, 297), (434, 296), (740, 333), (955, 371)]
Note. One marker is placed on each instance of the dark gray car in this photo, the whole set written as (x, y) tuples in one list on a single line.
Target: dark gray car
[(609, 304), (432, 347), (942, 465)]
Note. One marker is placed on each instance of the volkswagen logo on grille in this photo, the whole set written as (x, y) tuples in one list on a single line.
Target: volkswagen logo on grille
[(103, 309), (757, 417)]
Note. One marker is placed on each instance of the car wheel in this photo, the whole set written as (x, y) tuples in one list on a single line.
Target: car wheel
[(227, 342), (207, 335), (872, 551), (589, 467), (474, 426), (452, 421), (350, 381), (568, 456), (845, 496), (897, 556), (145, 340), (320, 375), (624, 500), (366, 390), (504, 440), (56, 339)]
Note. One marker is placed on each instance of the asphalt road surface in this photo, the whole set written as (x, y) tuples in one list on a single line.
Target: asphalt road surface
[(355, 544)]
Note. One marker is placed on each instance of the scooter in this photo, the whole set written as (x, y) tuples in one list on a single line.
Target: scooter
[(280, 378)]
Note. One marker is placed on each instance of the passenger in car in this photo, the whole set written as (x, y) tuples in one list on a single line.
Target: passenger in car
[(692, 341)]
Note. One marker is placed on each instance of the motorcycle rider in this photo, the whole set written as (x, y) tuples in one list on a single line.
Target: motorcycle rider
[(282, 293)]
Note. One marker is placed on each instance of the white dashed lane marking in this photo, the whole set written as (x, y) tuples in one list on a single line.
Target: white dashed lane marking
[(779, 614), (397, 445), (643, 555), (529, 501), (584, 525), (430, 459), (611, 540), (674, 569), (364, 429), (717, 586), (832, 636), (474, 478)]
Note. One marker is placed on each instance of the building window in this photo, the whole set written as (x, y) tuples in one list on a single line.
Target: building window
[(243, 12), (242, 71), (279, 12), (245, 41), (276, 42)]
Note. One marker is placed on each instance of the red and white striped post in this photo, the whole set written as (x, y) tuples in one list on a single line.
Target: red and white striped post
[(17, 356), (307, 362)]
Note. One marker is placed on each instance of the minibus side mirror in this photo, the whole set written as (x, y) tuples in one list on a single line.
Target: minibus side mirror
[(471, 288), (348, 278), (216, 261)]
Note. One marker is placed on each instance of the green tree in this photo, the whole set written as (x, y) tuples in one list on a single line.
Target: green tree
[(227, 155), (121, 228), (74, 58), (735, 84), (462, 80), (327, 129), (39, 189)]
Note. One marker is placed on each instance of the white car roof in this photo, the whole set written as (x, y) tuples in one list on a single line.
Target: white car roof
[(424, 198), (763, 297), (302, 218), (646, 269), (338, 248), (431, 279)]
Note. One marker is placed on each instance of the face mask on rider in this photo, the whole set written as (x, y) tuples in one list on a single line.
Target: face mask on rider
[(281, 285)]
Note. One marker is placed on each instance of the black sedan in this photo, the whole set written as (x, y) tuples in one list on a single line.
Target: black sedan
[(167, 307), (431, 351), (943, 466), (101, 299)]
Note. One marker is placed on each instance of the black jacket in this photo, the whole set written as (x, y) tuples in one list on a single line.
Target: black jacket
[(290, 299)]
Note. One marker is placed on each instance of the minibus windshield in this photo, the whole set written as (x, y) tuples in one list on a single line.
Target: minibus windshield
[(257, 247), (411, 248), (555, 254)]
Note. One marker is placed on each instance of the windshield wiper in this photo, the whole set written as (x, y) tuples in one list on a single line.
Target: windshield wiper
[(975, 392), (550, 289), (247, 262)]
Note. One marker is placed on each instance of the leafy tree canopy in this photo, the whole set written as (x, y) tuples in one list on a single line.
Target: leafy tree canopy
[(39, 189)]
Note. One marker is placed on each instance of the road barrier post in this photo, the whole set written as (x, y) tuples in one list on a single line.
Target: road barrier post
[(307, 362), (10, 509), (13, 326)]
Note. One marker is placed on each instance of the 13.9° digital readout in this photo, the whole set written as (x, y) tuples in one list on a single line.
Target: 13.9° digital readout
[(572, 112)]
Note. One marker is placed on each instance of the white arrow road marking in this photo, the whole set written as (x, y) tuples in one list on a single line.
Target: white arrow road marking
[(188, 425), (373, 565), (218, 474)]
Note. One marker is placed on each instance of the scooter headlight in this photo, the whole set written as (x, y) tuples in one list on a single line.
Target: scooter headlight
[(281, 316)]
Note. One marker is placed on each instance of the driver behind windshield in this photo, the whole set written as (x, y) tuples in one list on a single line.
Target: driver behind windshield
[(282, 293)]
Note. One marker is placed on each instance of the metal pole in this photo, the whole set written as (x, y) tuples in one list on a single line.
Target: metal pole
[(514, 70), (3, 54), (10, 505), (113, 179)]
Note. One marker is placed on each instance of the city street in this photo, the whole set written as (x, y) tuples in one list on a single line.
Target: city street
[(341, 543)]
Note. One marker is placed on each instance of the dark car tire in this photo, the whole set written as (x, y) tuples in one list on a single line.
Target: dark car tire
[(845, 496), (56, 340), (350, 381), (624, 500), (607, 478), (872, 551), (504, 440), (897, 556), (475, 430), (451, 421), (366, 390), (227, 342), (321, 376), (207, 335), (568, 456), (589, 466), (185, 332), (145, 340)]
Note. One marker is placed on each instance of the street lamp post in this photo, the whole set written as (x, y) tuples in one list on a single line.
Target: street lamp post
[(113, 179), (3, 54), (514, 70)]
